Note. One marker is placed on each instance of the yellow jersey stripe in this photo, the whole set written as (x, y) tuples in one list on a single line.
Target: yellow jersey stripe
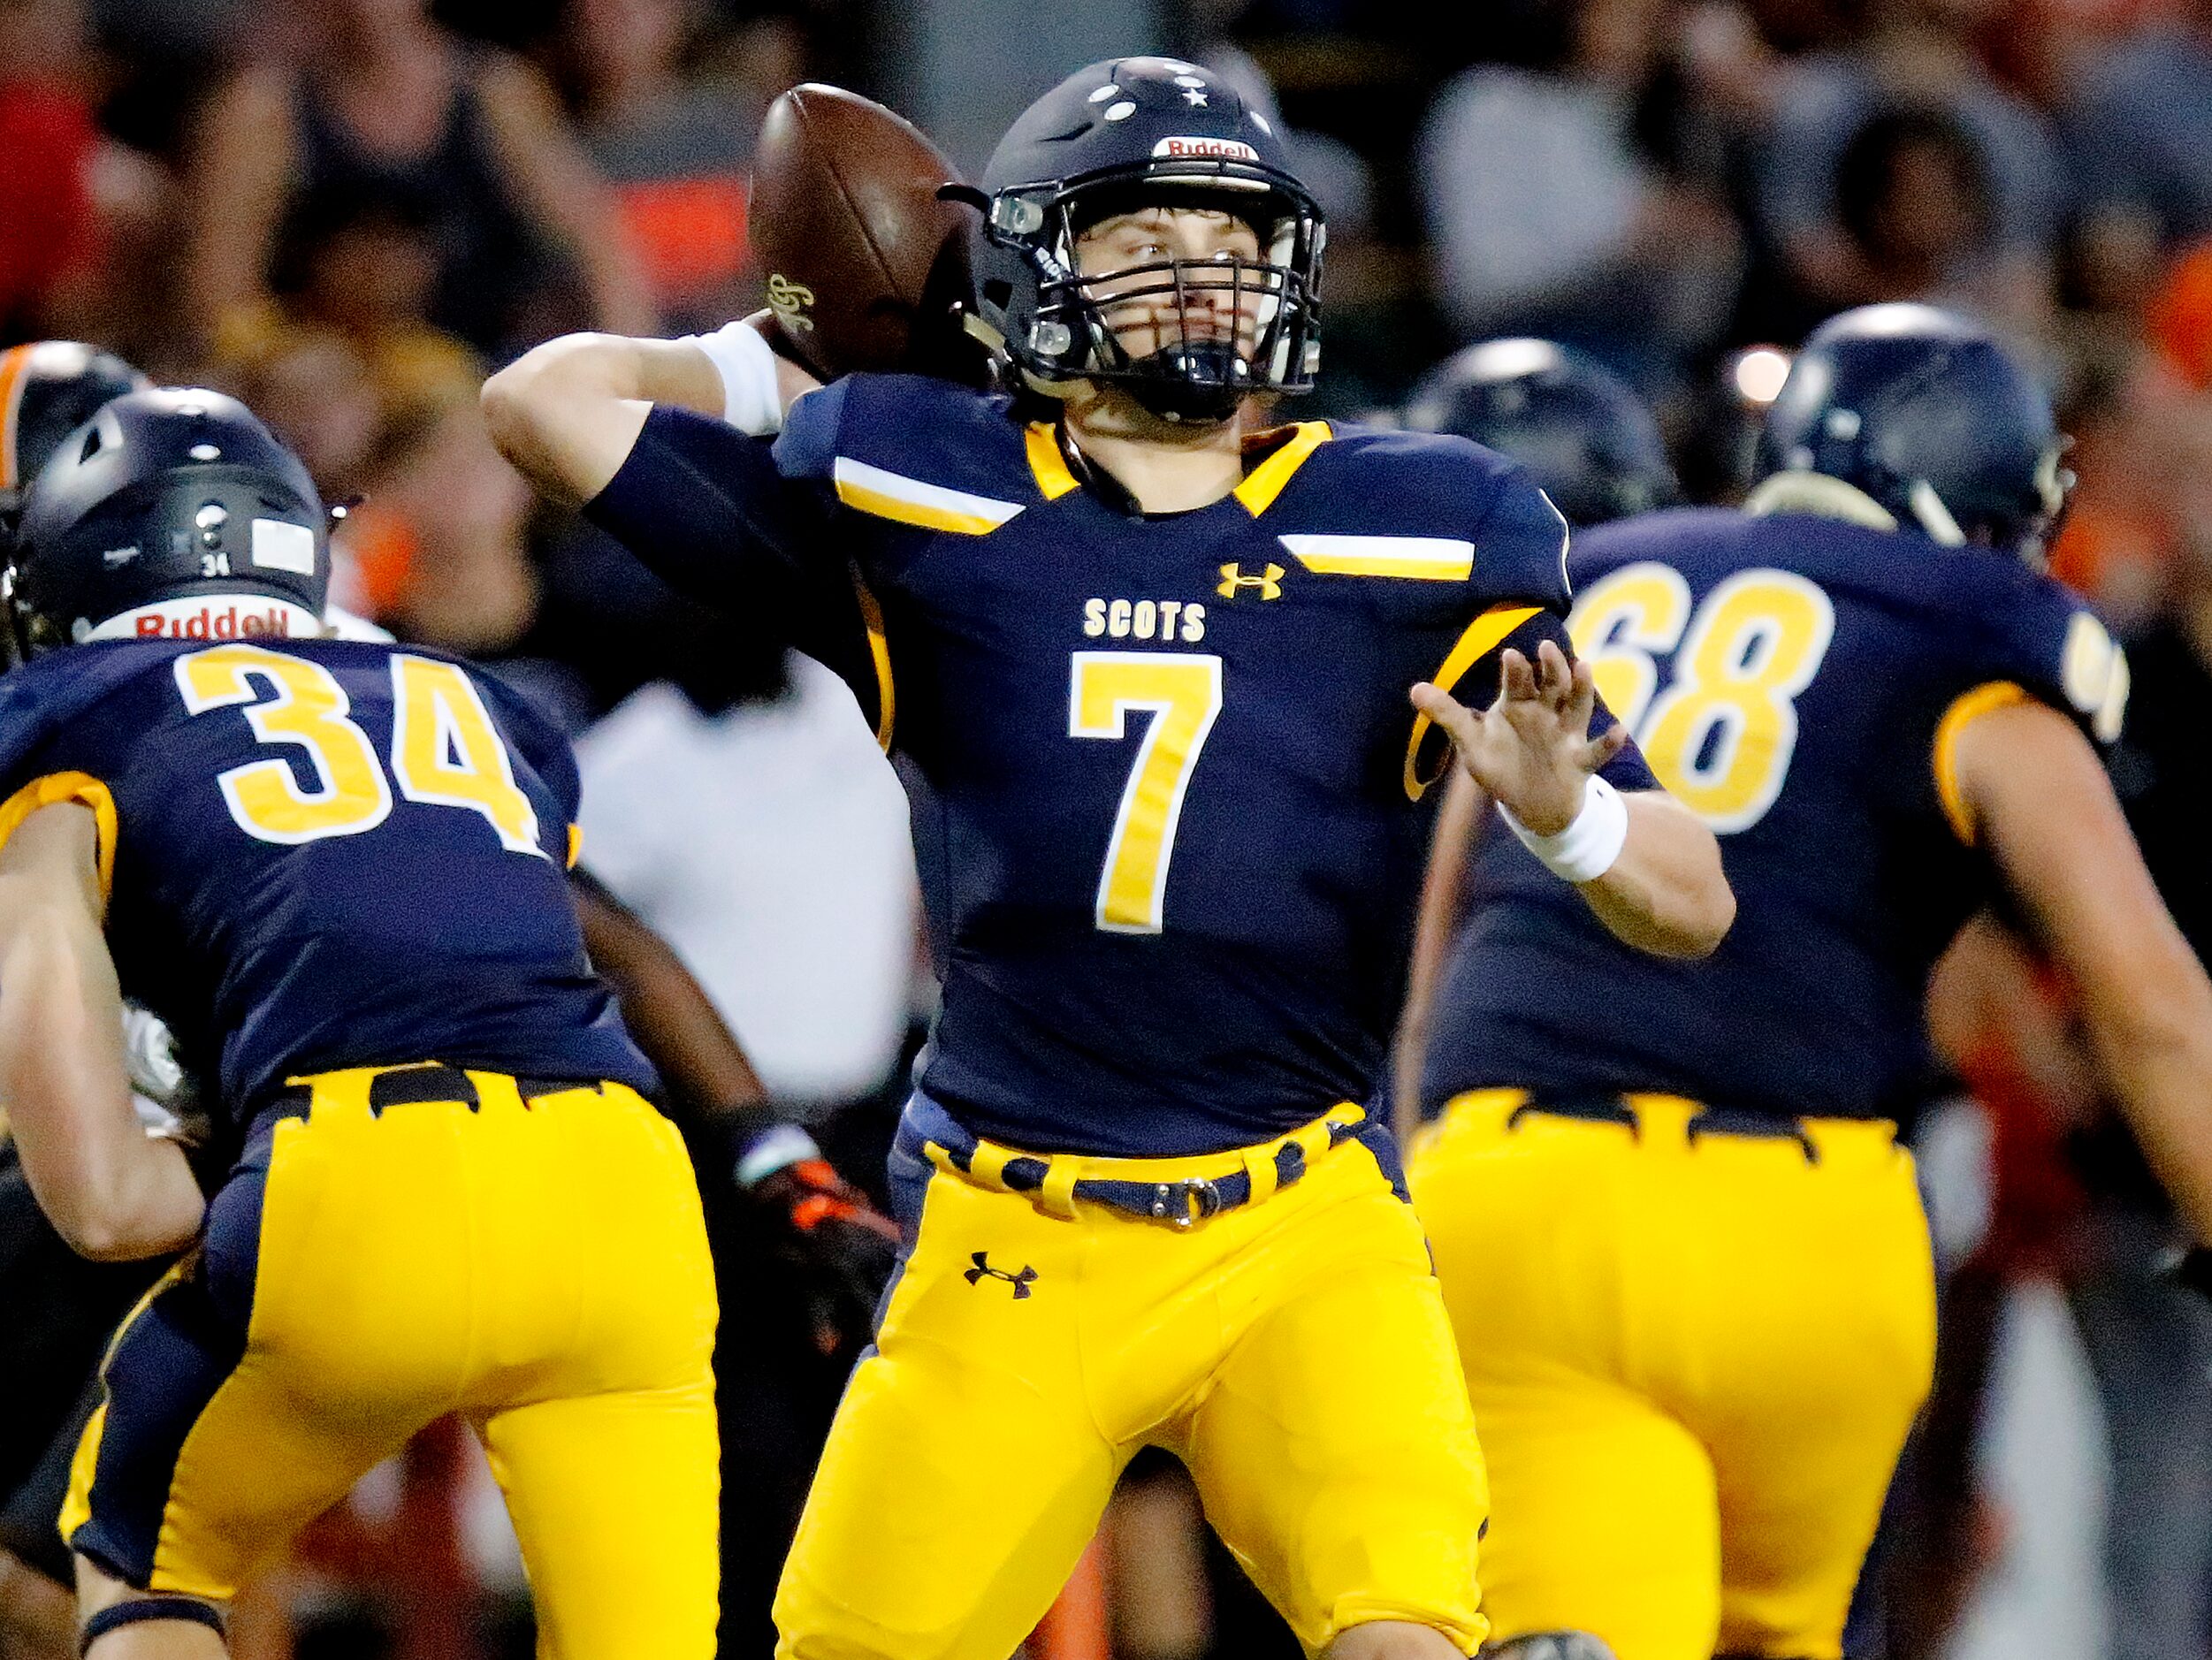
[(1483, 636), (576, 844), (1966, 708), (1267, 479), (880, 653), (1428, 559), (59, 787), (1050, 467), (894, 496)]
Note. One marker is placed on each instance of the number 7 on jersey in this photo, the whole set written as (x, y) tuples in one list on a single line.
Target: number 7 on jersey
[(1182, 693)]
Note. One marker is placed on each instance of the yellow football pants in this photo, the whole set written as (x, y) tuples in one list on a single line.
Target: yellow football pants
[(540, 1268), (1293, 1352), (1693, 1361)]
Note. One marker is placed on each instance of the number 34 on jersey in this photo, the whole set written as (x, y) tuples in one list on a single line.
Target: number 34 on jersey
[(445, 751)]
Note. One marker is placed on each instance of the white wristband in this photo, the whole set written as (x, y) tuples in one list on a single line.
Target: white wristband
[(746, 362), (1587, 848), (777, 1148)]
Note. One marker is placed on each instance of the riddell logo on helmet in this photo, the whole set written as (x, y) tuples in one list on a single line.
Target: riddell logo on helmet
[(1211, 150), (224, 617), (211, 622)]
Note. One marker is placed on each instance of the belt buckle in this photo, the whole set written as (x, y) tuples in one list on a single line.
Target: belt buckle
[(1199, 1199)]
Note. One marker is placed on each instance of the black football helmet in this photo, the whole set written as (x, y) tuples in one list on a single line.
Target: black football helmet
[(47, 389), (1923, 411), (1589, 441), (1151, 131), (172, 512)]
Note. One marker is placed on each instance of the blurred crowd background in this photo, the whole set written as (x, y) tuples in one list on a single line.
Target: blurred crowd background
[(347, 210)]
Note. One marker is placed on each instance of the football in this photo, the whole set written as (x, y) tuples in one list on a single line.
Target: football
[(861, 259)]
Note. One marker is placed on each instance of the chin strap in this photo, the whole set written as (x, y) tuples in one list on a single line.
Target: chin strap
[(189, 1610)]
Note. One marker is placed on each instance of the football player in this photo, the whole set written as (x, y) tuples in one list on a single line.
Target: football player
[(60, 1309), (322, 862), (1595, 450), (1684, 1248), (1153, 661), (1587, 439)]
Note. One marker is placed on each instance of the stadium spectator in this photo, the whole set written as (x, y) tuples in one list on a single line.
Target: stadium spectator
[(1546, 217), (1914, 54), (71, 198), (381, 115), (1913, 199), (675, 148), (2141, 124)]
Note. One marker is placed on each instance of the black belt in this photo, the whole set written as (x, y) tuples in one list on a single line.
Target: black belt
[(1181, 1202), (403, 1086), (1707, 1121)]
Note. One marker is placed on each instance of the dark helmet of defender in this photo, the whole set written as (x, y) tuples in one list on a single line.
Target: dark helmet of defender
[(1589, 442), (1149, 131), (167, 494), (47, 389), (1925, 412)]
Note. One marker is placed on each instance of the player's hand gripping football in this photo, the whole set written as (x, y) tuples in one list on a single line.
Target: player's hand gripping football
[(1531, 749), (846, 1247)]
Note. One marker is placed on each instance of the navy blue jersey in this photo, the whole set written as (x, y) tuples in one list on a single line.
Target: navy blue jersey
[(1171, 764), (1790, 679), (323, 854)]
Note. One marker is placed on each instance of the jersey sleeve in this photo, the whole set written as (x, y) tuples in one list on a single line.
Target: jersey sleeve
[(1519, 591), (2032, 641), (743, 526), (47, 756), (1520, 545), (545, 750)]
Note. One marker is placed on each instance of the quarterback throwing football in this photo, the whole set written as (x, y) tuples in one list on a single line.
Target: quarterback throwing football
[(1152, 662)]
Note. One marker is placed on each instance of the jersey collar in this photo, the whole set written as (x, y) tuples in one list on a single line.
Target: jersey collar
[(1058, 468)]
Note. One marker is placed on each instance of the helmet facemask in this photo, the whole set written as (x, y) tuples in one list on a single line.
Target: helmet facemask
[(1190, 338)]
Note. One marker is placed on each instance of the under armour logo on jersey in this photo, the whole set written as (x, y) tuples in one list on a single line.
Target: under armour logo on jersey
[(983, 1270), (1269, 582)]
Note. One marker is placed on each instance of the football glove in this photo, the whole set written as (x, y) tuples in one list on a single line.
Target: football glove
[(844, 1245), (166, 1096)]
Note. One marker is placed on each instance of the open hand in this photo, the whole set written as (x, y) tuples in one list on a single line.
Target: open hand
[(1531, 750)]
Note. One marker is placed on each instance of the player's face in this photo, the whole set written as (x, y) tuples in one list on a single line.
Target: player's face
[(1216, 302)]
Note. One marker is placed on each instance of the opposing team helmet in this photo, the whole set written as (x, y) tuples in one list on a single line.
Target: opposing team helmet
[(47, 389), (1148, 131), (1926, 414), (1588, 440), (171, 512)]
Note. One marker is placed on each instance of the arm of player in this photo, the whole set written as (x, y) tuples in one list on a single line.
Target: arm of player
[(566, 414), (1664, 891), (666, 1010), (847, 1245), (111, 1190), (1442, 904), (2040, 802)]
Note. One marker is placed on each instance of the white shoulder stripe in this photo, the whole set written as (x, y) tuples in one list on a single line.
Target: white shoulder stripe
[(1432, 558), (887, 495)]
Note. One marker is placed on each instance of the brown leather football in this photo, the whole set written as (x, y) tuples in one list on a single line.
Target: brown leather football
[(861, 259)]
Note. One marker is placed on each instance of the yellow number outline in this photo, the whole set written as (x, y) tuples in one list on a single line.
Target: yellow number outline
[(437, 711), (307, 707), (1182, 693), (1739, 662), (1620, 625)]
